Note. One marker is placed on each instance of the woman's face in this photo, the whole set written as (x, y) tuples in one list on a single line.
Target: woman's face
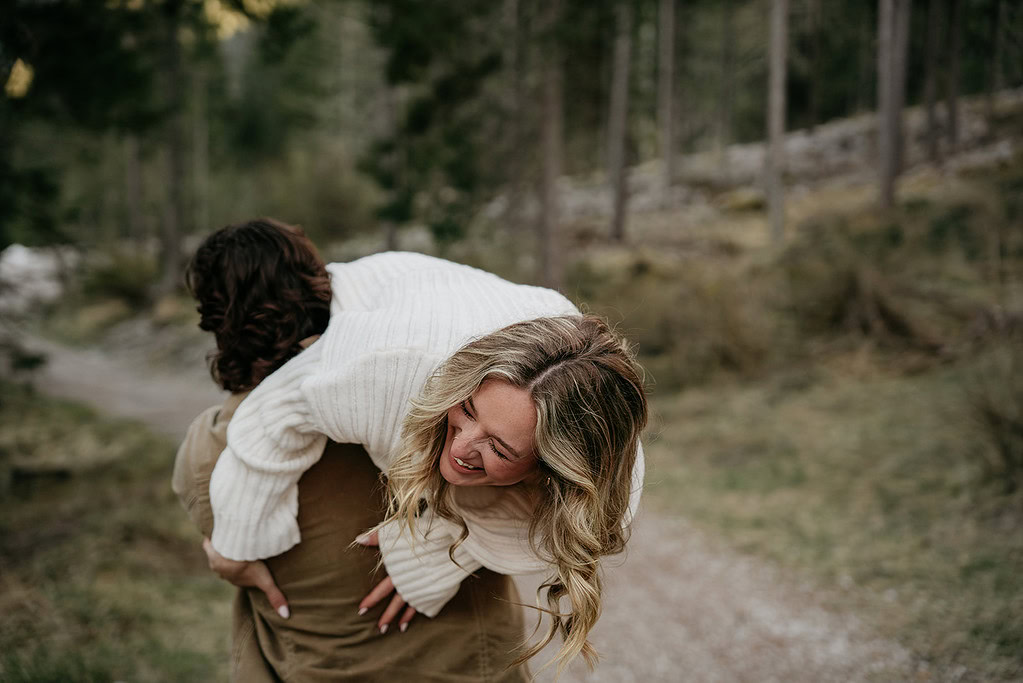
[(490, 437)]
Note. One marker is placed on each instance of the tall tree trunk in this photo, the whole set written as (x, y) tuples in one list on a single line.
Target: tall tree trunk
[(110, 204), (813, 20), (134, 220), (952, 85), (900, 54), (666, 92), (776, 120), (866, 68), (892, 43), (995, 77), (514, 67), (726, 93), (934, 8), (998, 70), (200, 152), (885, 142), (552, 143), (391, 104), (172, 226), (618, 119)]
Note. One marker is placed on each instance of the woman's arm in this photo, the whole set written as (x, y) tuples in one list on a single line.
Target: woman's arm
[(193, 467), (278, 432), (271, 441), (421, 568)]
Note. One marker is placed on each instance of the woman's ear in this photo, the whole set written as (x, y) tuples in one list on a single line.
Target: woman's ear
[(539, 477)]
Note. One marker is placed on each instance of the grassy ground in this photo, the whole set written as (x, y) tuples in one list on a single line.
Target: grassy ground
[(827, 418), (870, 483), (101, 575)]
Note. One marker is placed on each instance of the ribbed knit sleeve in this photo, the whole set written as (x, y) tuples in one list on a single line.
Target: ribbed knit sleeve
[(422, 570), (498, 521), (364, 387), (272, 440)]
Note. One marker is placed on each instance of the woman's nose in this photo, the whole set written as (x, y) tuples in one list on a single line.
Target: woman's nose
[(463, 443)]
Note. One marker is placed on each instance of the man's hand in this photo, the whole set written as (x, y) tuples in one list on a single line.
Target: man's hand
[(247, 575), (381, 591)]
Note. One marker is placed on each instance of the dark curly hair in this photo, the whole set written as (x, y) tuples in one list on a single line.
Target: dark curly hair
[(261, 288)]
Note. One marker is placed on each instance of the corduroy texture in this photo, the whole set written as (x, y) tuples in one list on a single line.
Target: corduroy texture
[(324, 577)]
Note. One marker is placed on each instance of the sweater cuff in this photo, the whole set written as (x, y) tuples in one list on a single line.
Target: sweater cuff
[(424, 576), (259, 525)]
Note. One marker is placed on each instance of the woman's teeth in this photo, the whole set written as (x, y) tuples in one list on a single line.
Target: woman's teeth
[(467, 465)]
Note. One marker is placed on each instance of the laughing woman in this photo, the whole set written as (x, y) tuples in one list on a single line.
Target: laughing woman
[(507, 424)]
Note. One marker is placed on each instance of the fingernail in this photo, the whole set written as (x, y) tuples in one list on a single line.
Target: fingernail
[(383, 629), (363, 610), (284, 611), (404, 627)]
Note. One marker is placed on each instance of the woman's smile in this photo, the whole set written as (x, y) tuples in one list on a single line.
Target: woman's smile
[(490, 437), (465, 464)]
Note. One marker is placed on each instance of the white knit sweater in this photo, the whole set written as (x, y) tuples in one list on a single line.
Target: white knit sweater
[(394, 318)]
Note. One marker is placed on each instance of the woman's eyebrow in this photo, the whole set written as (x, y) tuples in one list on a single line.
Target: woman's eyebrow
[(496, 437)]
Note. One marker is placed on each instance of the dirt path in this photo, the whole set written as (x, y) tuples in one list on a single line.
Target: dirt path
[(680, 608)]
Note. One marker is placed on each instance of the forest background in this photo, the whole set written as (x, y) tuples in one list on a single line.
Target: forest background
[(807, 214)]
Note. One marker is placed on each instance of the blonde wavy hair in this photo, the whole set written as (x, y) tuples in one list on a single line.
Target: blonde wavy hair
[(590, 408)]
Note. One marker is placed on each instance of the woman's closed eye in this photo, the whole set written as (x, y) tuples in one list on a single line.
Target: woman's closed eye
[(498, 453)]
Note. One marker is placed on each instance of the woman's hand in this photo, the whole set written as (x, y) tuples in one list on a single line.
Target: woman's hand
[(381, 591), (247, 575)]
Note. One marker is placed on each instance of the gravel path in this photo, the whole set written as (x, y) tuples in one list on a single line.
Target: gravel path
[(680, 608)]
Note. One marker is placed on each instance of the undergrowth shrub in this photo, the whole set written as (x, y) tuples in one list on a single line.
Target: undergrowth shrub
[(100, 571), (121, 275), (954, 227), (844, 283), (994, 402), (690, 321), (111, 287)]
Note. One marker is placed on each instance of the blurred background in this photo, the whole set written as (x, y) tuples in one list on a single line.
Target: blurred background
[(807, 215)]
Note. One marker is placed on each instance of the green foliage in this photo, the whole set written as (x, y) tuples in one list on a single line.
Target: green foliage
[(94, 65), (448, 89), (101, 576), (870, 485), (953, 228), (691, 324), (43, 667), (437, 164), (824, 80), (126, 276), (994, 394), (280, 87), (112, 287), (897, 281), (28, 201)]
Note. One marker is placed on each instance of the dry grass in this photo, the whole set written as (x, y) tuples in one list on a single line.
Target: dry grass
[(872, 483), (853, 452)]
